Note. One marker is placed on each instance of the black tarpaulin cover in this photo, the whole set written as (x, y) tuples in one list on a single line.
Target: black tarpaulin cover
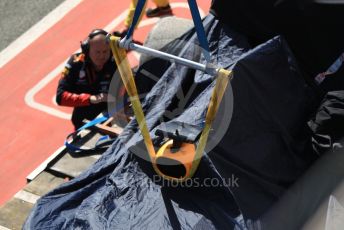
[(312, 28), (266, 146)]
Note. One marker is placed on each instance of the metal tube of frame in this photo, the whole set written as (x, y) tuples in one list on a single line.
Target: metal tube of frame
[(127, 43)]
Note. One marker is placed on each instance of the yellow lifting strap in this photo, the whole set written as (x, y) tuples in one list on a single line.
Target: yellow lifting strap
[(223, 76), (127, 77)]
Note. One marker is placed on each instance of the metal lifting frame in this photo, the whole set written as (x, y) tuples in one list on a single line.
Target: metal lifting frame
[(119, 47), (128, 44)]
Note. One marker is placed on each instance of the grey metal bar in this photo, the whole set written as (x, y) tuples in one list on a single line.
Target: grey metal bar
[(127, 43)]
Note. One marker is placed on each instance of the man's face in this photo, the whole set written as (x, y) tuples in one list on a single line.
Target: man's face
[(99, 51)]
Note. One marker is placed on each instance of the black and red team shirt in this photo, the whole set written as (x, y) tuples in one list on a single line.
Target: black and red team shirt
[(79, 80)]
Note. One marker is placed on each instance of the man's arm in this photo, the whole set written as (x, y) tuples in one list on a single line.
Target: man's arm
[(65, 95)]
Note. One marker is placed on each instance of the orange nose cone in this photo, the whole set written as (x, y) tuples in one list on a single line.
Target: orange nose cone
[(175, 164)]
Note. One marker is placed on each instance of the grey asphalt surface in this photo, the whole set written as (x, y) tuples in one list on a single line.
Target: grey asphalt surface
[(17, 16)]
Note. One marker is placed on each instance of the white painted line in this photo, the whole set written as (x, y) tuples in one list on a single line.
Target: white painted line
[(45, 163), (29, 97), (116, 21), (4, 228), (53, 100), (36, 31), (148, 22), (27, 196)]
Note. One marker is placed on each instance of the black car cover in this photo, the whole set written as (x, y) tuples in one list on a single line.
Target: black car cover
[(265, 148), (312, 28)]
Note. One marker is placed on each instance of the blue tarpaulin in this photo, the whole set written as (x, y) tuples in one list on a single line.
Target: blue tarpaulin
[(265, 148)]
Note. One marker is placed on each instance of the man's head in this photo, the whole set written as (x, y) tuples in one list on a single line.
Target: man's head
[(96, 48)]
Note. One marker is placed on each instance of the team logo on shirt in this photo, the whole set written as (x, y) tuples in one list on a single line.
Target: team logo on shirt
[(79, 58), (82, 74), (64, 72)]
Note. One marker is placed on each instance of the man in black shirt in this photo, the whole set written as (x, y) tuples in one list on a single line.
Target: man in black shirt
[(86, 78)]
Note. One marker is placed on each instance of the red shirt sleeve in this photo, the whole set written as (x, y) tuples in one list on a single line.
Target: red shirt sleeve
[(65, 94), (73, 100)]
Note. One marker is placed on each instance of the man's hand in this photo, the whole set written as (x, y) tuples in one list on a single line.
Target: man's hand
[(95, 99)]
